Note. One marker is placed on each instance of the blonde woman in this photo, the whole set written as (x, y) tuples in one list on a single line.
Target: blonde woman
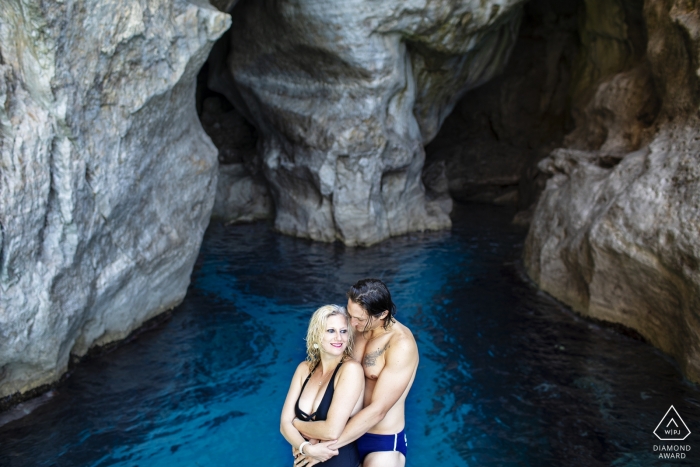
[(326, 390)]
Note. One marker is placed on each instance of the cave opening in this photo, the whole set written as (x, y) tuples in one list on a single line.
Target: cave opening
[(242, 194), (492, 141), (488, 148), (544, 99)]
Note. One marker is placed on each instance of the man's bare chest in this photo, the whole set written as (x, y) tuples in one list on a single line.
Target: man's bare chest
[(374, 357)]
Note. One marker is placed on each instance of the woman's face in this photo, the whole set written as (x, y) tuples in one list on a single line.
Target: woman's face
[(334, 339)]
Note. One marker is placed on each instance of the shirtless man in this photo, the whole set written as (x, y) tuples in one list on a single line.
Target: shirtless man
[(389, 357)]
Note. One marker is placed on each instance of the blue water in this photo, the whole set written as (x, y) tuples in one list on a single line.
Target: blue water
[(507, 375)]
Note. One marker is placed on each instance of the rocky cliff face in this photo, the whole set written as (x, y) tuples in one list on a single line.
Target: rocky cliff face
[(490, 145), (242, 194), (344, 96), (107, 179), (615, 234)]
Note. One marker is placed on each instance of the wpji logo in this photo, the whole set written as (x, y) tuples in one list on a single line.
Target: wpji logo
[(672, 428)]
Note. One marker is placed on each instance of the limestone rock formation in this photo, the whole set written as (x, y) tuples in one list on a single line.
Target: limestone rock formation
[(615, 233), (241, 191), (492, 141), (618, 117), (241, 197), (344, 96), (107, 179), (617, 239)]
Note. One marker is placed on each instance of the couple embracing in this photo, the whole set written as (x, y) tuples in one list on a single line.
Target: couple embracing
[(345, 405)]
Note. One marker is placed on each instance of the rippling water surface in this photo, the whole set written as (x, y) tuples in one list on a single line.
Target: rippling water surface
[(507, 376)]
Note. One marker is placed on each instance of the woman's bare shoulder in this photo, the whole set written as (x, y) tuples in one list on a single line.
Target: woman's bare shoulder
[(302, 369), (352, 367)]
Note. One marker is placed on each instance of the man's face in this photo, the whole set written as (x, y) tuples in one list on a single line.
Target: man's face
[(358, 317)]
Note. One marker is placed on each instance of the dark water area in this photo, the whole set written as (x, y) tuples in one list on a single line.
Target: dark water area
[(508, 377)]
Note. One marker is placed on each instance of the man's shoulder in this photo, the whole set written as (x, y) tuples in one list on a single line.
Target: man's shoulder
[(402, 338), (402, 332)]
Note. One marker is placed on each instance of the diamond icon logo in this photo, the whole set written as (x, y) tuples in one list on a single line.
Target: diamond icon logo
[(672, 427)]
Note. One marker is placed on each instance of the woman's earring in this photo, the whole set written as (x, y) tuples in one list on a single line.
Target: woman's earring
[(315, 346)]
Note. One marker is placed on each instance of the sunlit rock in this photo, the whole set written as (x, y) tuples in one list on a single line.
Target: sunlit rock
[(345, 94), (107, 179)]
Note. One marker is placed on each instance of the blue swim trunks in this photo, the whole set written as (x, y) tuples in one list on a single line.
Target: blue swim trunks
[(369, 442)]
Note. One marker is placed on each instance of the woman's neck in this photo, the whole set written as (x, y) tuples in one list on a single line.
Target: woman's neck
[(329, 362)]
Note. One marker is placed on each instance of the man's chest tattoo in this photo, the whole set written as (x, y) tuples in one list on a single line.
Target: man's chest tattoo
[(371, 358)]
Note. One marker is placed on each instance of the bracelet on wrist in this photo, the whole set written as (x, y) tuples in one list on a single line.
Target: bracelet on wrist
[(301, 447)]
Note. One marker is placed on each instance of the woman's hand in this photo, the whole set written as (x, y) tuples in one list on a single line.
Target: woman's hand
[(303, 461), (321, 451)]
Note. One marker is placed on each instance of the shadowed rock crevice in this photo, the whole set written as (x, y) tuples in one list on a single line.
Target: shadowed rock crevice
[(242, 194), (578, 78), (614, 234), (490, 145)]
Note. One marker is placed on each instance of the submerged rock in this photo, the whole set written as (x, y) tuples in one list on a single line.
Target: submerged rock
[(344, 95), (107, 177)]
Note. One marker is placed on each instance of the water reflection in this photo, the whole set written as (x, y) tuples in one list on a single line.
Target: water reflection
[(507, 377)]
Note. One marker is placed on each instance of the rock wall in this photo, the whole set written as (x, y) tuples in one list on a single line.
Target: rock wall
[(345, 95), (106, 177), (615, 233), (491, 143), (107, 180), (242, 194)]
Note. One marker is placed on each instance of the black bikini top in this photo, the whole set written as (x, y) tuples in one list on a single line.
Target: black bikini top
[(322, 410)]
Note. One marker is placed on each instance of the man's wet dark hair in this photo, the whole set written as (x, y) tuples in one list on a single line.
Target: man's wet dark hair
[(374, 297)]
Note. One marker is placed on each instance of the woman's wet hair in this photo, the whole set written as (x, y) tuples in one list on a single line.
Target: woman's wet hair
[(317, 326), (374, 297)]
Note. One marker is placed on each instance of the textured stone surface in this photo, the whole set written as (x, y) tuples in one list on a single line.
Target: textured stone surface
[(612, 35), (615, 234), (242, 194), (492, 141), (344, 96), (107, 179), (613, 95), (621, 243), (241, 197), (618, 117)]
